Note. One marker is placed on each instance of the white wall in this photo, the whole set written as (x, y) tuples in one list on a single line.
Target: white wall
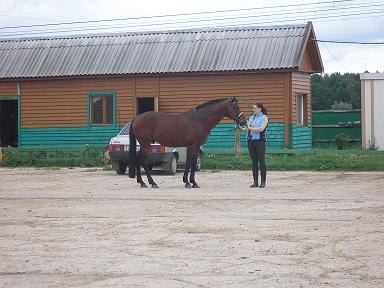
[(366, 122), (379, 113), (372, 109)]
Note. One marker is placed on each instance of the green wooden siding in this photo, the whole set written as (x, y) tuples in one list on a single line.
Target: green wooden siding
[(68, 137), (301, 137)]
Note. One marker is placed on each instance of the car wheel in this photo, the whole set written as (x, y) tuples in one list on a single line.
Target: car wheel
[(198, 163), (122, 167), (172, 165)]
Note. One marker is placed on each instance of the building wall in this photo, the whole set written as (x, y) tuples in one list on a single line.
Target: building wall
[(301, 135), (54, 112), (379, 115), (269, 89), (372, 98), (8, 89), (62, 103)]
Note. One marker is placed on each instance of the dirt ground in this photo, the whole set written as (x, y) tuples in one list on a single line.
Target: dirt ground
[(92, 228)]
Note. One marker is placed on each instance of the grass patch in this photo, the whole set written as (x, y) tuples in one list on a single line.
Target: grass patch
[(52, 157), (316, 159), (308, 160)]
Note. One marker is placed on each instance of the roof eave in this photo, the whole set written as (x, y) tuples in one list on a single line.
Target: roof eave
[(308, 30)]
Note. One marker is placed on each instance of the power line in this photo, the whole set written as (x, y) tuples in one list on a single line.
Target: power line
[(251, 16), (334, 58), (175, 15), (348, 42), (199, 21)]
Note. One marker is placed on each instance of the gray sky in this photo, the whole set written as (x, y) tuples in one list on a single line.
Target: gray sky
[(340, 20)]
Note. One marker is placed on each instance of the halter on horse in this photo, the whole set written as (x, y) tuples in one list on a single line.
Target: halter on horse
[(188, 129)]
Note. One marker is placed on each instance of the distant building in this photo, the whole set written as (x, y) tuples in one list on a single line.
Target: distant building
[(372, 110)]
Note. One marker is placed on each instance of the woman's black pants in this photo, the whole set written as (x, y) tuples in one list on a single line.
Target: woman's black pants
[(257, 152)]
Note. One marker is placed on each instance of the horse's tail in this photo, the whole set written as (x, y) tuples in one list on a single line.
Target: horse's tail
[(132, 153)]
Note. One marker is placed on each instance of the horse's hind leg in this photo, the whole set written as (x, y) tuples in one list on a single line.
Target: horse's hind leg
[(145, 165), (187, 167), (138, 170), (194, 155)]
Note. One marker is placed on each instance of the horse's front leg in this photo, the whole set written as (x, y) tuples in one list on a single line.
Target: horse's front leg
[(187, 167), (194, 155), (145, 155)]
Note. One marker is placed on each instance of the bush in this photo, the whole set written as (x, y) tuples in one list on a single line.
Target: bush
[(53, 157), (372, 146), (341, 106), (342, 141)]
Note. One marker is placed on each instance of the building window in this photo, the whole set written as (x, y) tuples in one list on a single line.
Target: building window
[(101, 109), (300, 109)]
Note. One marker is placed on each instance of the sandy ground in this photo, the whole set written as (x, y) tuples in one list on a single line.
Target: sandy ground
[(92, 228)]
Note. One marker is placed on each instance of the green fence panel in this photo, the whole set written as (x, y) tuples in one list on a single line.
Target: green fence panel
[(331, 117), (327, 124)]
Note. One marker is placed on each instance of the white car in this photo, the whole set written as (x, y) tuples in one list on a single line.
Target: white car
[(168, 158)]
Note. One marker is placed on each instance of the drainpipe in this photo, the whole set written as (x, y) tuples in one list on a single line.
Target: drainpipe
[(18, 113)]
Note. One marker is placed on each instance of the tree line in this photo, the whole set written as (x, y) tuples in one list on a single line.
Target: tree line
[(335, 88)]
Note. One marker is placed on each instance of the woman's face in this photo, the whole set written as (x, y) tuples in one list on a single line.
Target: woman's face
[(256, 109)]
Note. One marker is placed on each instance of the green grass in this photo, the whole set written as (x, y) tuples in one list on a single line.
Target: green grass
[(316, 159), (332, 145), (358, 160), (53, 157)]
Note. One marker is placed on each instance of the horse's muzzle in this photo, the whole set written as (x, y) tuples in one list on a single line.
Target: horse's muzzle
[(239, 119)]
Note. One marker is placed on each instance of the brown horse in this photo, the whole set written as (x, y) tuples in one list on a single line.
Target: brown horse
[(188, 129)]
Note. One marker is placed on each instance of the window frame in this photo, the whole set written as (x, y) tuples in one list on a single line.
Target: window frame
[(300, 109), (303, 99), (89, 108)]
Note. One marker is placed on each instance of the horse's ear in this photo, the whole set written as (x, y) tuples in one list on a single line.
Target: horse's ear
[(233, 100)]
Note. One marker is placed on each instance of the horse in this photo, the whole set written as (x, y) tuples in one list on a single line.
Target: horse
[(188, 129)]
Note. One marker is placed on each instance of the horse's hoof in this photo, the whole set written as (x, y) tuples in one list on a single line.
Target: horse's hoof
[(188, 185), (154, 185), (195, 185), (143, 185)]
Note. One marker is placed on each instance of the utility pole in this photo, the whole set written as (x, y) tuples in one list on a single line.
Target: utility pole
[(237, 142)]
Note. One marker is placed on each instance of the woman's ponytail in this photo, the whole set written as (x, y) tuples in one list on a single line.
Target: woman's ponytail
[(263, 109)]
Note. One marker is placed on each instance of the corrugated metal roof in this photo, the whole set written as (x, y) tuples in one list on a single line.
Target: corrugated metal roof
[(203, 50)]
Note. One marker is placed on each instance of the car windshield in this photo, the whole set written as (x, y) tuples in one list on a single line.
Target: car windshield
[(125, 130)]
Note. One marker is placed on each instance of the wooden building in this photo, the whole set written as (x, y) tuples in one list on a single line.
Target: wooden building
[(69, 91)]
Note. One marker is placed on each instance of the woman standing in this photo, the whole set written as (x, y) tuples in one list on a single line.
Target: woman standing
[(256, 125)]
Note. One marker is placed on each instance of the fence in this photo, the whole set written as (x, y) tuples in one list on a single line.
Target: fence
[(326, 124)]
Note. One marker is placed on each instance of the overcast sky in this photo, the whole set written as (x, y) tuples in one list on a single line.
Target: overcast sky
[(339, 20)]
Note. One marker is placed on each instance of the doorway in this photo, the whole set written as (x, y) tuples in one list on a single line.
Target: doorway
[(8, 123), (145, 104)]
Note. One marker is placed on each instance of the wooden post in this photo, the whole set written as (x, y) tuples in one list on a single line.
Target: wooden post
[(237, 142)]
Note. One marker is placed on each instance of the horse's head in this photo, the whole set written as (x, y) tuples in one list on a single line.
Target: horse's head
[(233, 111)]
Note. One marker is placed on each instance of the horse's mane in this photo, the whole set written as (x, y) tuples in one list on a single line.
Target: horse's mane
[(209, 103)]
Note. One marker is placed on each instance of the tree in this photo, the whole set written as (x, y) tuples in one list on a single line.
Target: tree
[(328, 89)]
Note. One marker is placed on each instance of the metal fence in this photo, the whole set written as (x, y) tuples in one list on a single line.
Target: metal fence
[(326, 124)]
